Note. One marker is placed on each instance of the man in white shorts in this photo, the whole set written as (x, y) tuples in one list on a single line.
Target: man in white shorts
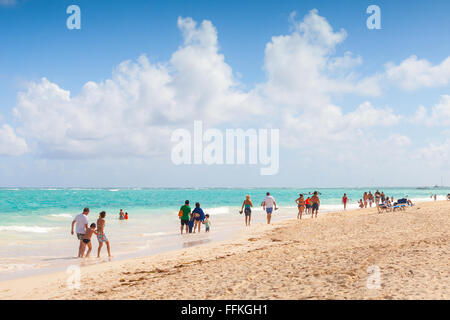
[(268, 205), (82, 224)]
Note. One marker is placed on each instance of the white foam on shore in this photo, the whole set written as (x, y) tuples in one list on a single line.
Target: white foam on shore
[(31, 229), (61, 215)]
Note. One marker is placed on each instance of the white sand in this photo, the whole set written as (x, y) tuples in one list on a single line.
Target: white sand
[(323, 258)]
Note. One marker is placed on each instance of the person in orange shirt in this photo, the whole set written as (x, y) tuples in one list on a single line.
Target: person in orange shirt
[(308, 205)]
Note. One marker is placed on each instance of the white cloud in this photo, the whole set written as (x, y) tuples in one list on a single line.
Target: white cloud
[(439, 115), (413, 73), (134, 112), (10, 143)]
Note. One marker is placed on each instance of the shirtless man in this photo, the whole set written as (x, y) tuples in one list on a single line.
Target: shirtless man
[(101, 237), (315, 204), (87, 238)]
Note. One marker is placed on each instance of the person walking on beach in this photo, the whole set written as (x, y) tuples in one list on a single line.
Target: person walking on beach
[(248, 209), (301, 205), (184, 215), (315, 204), (365, 197), (81, 221), (377, 197), (101, 237), (191, 222), (199, 216), (370, 196), (268, 205), (344, 201), (308, 205)]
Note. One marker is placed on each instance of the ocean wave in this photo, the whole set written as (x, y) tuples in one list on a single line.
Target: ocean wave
[(113, 190), (31, 229), (60, 215)]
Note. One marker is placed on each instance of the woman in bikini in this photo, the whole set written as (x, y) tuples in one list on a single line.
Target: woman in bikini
[(301, 205), (248, 211)]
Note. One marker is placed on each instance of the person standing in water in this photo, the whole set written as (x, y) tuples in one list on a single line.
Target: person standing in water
[(248, 209), (301, 205), (315, 204), (81, 221), (185, 212), (199, 217), (101, 237), (344, 201)]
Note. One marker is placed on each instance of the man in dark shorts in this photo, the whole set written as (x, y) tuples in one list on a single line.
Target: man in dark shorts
[(184, 218), (315, 204)]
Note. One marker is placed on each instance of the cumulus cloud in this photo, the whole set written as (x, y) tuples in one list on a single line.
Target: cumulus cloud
[(134, 112), (438, 116), (413, 73), (10, 143)]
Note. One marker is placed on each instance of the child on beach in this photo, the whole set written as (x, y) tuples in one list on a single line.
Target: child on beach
[(87, 238), (207, 223), (361, 203)]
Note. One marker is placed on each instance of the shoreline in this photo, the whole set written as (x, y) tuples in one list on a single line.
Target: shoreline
[(291, 243)]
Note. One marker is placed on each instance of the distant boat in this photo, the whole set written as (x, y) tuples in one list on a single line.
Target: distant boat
[(422, 188)]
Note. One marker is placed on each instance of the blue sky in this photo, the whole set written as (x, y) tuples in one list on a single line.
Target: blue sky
[(36, 44)]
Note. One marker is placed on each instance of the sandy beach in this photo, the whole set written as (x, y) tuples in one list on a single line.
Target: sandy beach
[(331, 257)]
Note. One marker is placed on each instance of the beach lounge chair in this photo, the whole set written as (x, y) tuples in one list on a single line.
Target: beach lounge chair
[(401, 204), (384, 207)]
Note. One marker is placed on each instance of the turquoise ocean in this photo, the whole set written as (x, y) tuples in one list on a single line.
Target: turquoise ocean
[(35, 223)]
